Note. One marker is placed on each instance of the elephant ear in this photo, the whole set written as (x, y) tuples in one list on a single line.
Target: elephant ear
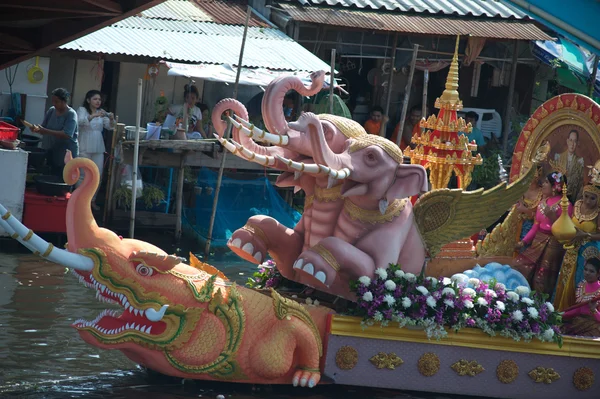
[(410, 180)]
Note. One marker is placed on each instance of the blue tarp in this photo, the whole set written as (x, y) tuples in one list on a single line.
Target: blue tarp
[(238, 201)]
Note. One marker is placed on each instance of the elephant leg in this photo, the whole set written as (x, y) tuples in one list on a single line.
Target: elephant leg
[(329, 258), (412, 260), (263, 234)]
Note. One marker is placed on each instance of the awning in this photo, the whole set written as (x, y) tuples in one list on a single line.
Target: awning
[(226, 73), (574, 66), (417, 23), (577, 21)]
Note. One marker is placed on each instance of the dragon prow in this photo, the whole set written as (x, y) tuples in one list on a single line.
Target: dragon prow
[(198, 264)]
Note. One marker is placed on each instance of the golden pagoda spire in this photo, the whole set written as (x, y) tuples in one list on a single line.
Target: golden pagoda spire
[(449, 98)]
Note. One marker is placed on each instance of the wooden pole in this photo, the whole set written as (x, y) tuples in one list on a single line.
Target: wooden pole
[(136, 152), (331, 81), (411, 74), (179, 196), (110, 185), (227, 132), (593, 77), (389, 87), (509, 101), (425, 87)]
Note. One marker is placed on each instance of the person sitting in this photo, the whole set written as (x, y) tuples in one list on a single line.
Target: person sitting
[(60, 131), (190, 97), (476, 134), (411, 127), (373, 125), (92, 120), (207, 123), (583, 318)]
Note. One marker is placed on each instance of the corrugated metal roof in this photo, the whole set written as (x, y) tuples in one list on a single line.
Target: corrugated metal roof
[(476, 8), (209, 28), (273, 50), (179, 10), (417, 24), (231, 12)]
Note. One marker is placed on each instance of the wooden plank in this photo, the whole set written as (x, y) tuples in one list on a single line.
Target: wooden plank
[(179, 199), (147, 219), (181, 145)]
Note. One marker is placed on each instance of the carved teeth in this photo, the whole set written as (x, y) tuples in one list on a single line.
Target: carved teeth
[(253, 132), (336, 174), (300, 166), (298, 264), (264, 160), (236, 243), (258, 257), (297, 175)]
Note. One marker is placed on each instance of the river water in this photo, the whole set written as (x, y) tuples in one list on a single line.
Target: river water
[(41, 356)]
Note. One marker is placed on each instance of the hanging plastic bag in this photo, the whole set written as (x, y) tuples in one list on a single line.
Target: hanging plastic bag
[(127, 179)]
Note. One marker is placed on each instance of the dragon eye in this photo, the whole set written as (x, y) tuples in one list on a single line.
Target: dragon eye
[(144, 270)]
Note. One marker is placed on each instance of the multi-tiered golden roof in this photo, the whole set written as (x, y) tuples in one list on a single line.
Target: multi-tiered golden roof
[(439, 147)]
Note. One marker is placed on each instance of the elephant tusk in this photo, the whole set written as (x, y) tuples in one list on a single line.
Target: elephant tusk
[(265, 160), (300, 166), (43, 248), (15, 235), (297, 175), (253, 132), (334, 173), (226, 144), (155, 316)]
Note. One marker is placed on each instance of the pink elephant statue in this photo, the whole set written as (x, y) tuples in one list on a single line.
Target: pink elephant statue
[(263, 234), (375, 227)]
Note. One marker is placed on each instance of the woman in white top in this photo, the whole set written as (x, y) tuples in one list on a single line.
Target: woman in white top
[(195, 128), (92, 120)]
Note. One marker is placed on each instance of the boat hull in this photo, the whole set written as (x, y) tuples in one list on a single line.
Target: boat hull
[(491, 366)]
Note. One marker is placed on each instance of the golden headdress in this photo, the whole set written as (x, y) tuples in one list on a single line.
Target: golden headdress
[(370, 139), (348, 127), (591, 252), (593, 186)]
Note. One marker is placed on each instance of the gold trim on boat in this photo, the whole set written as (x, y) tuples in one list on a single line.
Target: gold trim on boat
[(473, 338)]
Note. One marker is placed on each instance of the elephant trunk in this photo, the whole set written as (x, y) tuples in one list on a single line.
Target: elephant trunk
[(82, 229), (272, 104), (322, 154)]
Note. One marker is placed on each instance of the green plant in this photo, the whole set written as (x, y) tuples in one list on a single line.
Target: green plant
[(123, 196), (189, 175), (486, 175), (152, 196)]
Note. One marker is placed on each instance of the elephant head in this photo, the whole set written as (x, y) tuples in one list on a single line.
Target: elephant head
[(370, 166), (290, 141)]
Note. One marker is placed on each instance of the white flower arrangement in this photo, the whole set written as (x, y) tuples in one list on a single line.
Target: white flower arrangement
[(399, 297), (390, 285)]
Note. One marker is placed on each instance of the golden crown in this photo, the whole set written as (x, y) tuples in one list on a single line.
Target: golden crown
[(591, 252)]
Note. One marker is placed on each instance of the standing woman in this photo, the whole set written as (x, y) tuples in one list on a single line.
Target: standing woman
[(540, 262), (60, 131), (190, 97), (92, 121)]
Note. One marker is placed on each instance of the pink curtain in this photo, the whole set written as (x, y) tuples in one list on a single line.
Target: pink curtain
[(431, 66), (474, 47)]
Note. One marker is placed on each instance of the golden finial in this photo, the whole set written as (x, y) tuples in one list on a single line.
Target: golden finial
[(450, 95)]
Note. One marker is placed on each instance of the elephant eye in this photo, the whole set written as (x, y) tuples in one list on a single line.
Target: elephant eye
[(371, 157), (144, 270)]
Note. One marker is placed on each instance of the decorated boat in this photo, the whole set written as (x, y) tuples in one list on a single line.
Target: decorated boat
[(468, 330)]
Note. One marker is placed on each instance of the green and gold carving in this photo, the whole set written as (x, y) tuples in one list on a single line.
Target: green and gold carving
[(384, 360), (429, 364), (464, 367), (543, 374), (507, 371), (346, 358), (583, 378)]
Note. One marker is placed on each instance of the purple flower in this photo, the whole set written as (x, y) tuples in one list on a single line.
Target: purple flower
[(470, 322)]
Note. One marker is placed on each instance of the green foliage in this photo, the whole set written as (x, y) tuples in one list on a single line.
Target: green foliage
[(152, 196), (122, 196), (486, 175)]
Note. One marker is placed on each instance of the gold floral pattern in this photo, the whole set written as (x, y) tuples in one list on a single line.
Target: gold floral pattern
[(543, 374), (507, 371), (583, 378), (384, 360), (429, 364), (465, 367), (346, 358)]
